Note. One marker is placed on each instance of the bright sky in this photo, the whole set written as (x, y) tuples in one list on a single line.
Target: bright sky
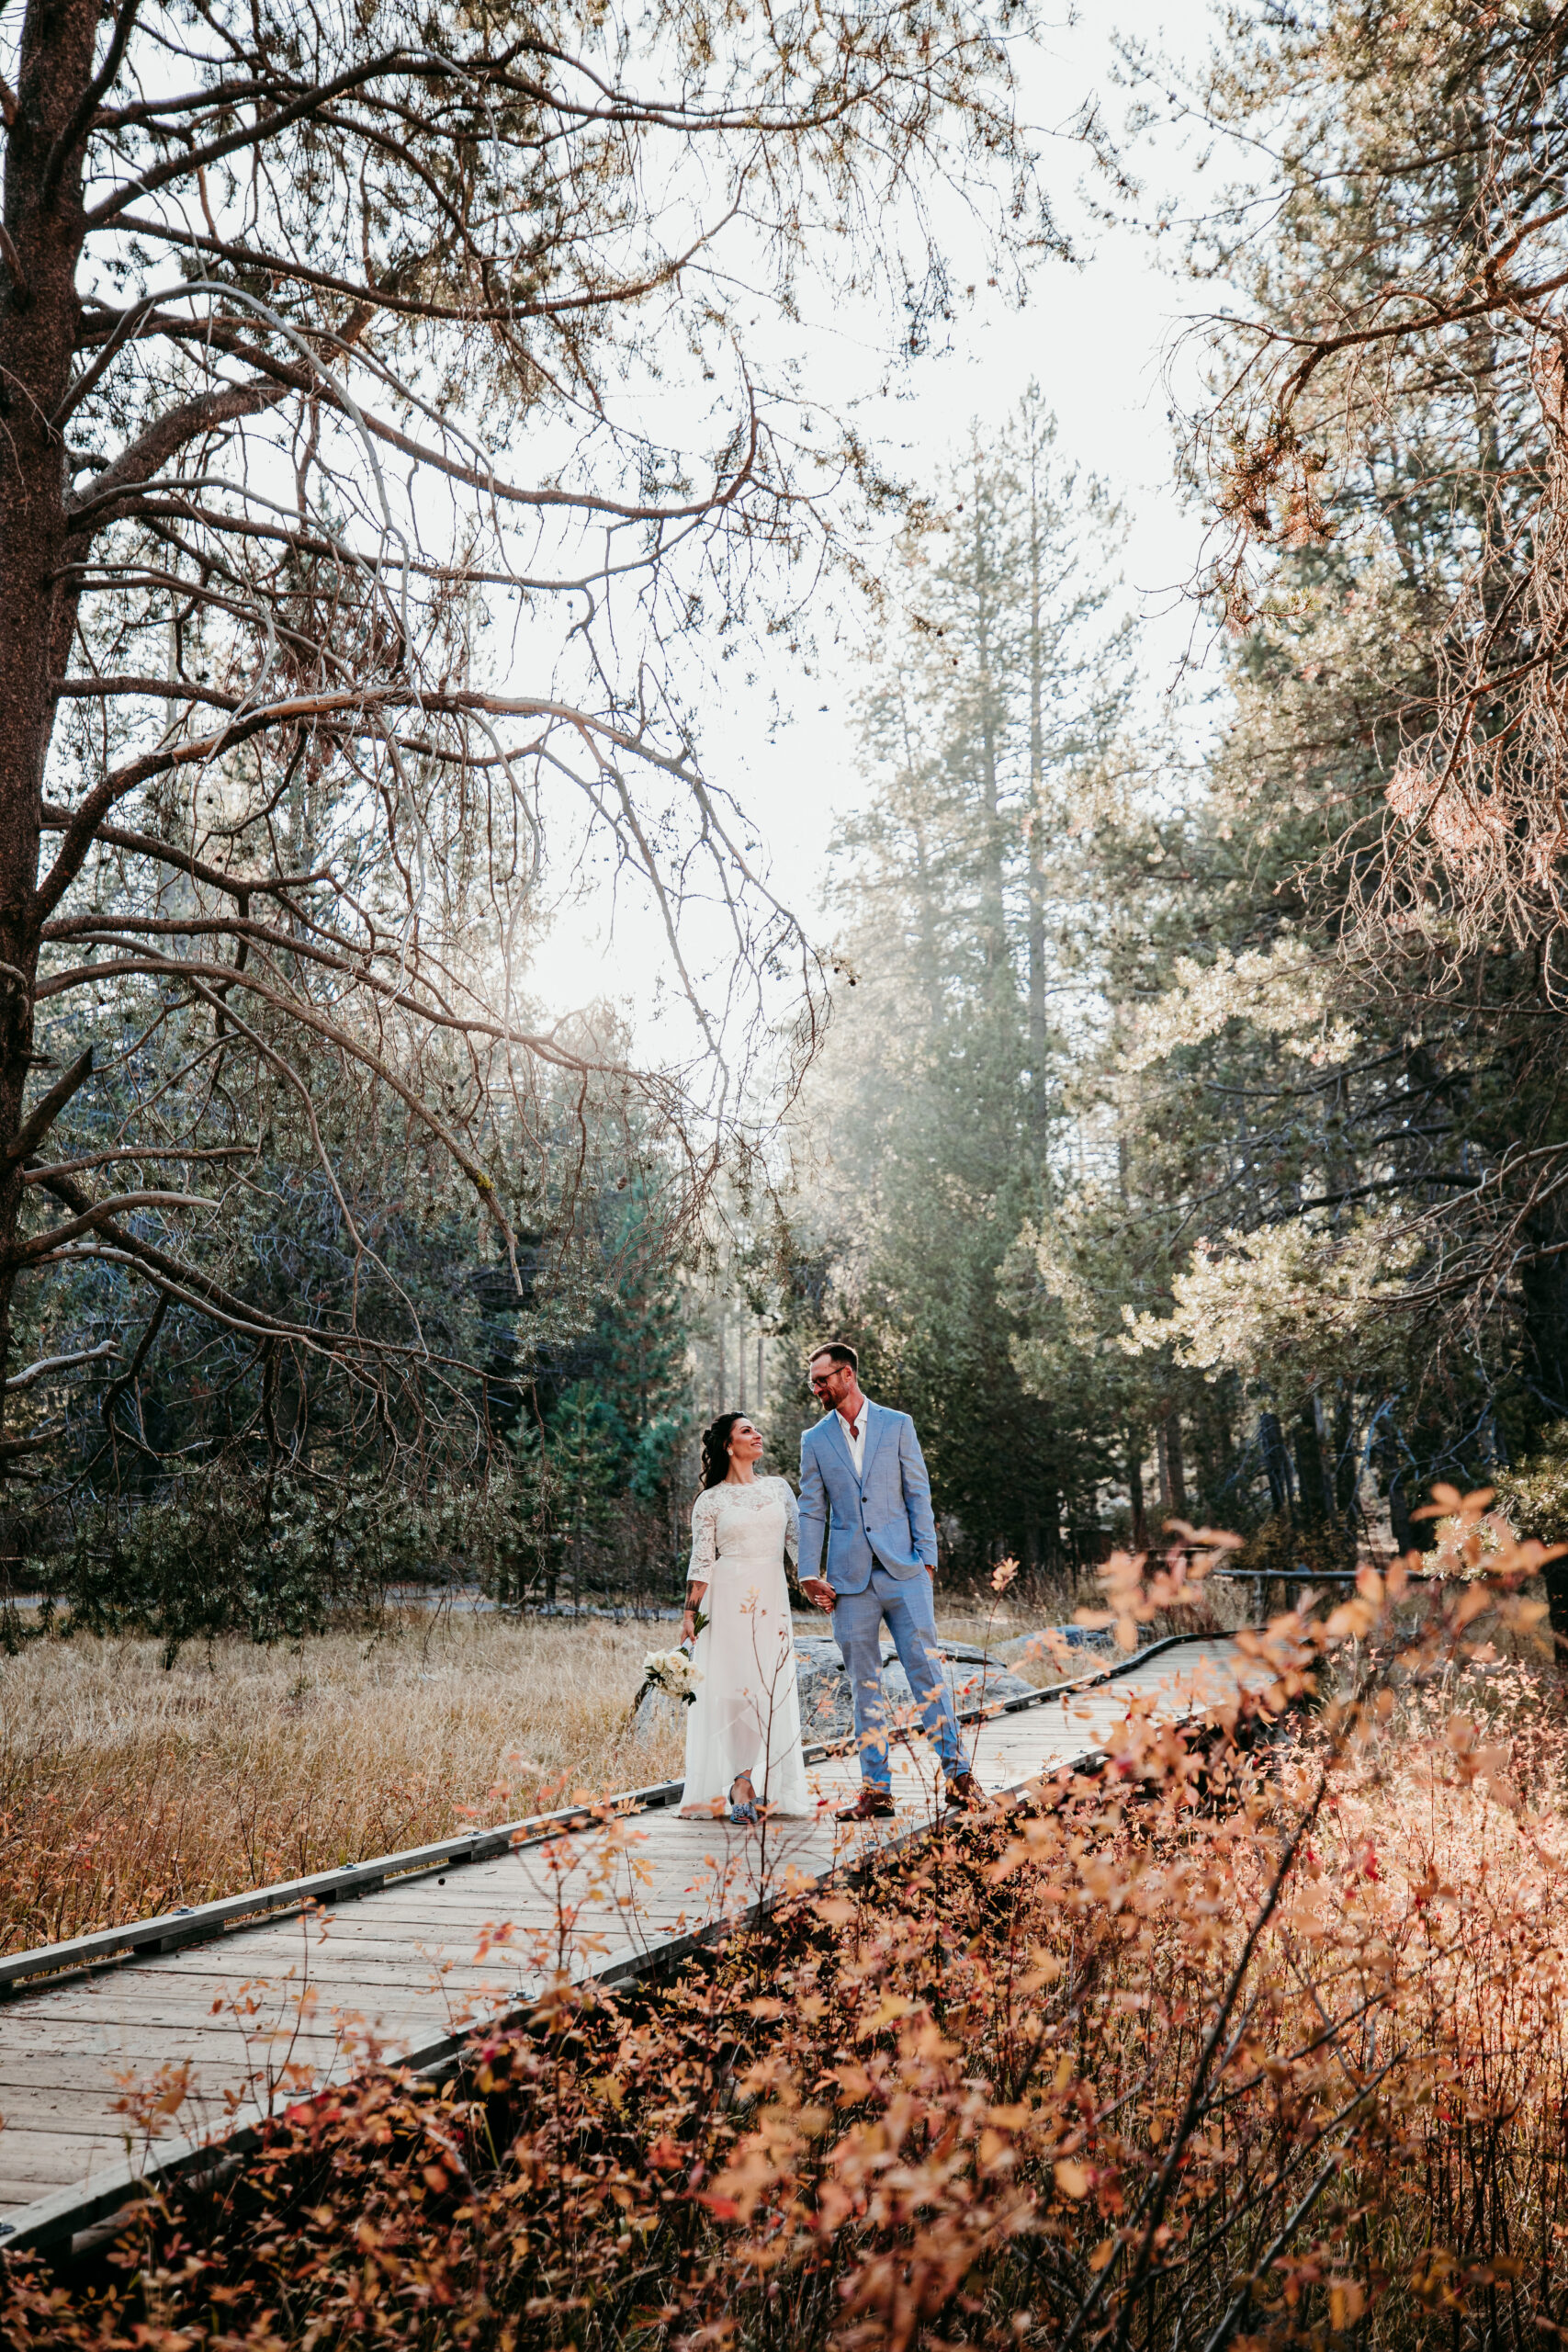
[(1096, 337)]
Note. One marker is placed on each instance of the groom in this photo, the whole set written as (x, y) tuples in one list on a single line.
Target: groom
[(864, 1486)]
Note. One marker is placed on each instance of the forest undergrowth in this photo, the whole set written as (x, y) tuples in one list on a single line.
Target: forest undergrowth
[(1257, 2036)]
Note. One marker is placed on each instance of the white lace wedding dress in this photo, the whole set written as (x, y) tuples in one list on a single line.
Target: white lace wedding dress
[(746, 1716)]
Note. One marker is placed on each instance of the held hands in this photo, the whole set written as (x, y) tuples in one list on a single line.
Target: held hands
[(819, 1591)]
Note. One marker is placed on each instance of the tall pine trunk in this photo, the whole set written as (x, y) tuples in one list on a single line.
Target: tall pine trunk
[(40, 317), (1035, 819)]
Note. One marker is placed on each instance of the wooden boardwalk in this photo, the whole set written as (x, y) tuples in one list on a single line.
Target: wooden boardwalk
[(115, 2070)]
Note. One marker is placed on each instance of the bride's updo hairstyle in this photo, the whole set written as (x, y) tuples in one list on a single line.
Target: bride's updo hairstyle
[(715, 1449)]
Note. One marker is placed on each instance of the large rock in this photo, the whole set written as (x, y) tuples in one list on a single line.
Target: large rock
[(826, 1707), (827, 1703), (658, 1712)]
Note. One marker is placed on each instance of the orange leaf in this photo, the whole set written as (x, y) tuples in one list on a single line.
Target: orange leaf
[(835, 1910)]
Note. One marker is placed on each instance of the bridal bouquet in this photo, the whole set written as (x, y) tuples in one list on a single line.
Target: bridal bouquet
[(671, 1671)]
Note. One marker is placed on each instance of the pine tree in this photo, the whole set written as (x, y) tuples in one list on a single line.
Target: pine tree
[(941, 1104)]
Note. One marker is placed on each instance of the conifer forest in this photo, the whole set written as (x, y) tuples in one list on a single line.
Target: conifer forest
[(1163, 1090)]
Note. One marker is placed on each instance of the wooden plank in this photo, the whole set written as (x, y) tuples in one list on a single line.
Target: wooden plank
[(524, 1908), (227, 1966), (234, 1957), (103, 2071), (525, 1944), (142, 2007), (20, 2189), (122, 2044), (52, 2158), (214, 2089), (455, 1905), (247, 2000), (232, 1963), (36, 2121), (72, 2115)]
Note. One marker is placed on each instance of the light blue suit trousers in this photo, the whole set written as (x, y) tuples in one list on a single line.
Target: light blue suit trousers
[(907, 1604)]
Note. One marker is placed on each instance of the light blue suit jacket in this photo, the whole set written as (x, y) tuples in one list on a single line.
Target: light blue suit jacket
[(884, 1515)]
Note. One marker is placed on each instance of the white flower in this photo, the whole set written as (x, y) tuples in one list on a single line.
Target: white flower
[(672, 1671)]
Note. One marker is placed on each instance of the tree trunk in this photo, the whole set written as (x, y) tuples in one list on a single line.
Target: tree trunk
[(993, 875), (1172, 1466), (1345, 1473), (1040, 1101), (38, 323), (1309, 1469), (1276, 1464), (1140, 1536)]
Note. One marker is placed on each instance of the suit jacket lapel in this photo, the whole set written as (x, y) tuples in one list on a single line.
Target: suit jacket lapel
[(838, 1431), (875, 1422)]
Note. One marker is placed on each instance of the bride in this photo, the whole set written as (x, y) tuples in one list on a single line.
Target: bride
[(743, 1727)]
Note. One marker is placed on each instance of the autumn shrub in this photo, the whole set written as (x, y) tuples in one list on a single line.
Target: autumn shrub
[(1257, 2036)]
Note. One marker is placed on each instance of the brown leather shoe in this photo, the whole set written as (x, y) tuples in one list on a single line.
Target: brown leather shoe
[(871, 1804), (963, 1793)]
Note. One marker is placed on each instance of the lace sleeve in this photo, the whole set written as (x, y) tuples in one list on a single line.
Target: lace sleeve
[(792, 1525), (705, 1543)]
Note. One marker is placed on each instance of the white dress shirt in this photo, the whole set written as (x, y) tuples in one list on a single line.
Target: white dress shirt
[(855, 1433)]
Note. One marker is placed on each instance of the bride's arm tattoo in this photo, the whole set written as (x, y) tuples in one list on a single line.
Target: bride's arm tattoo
[(694, 1593)]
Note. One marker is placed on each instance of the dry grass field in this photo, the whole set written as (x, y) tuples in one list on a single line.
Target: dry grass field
[(127, 1790)]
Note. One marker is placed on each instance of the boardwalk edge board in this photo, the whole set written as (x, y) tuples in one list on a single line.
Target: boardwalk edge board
[(66, 2212)]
